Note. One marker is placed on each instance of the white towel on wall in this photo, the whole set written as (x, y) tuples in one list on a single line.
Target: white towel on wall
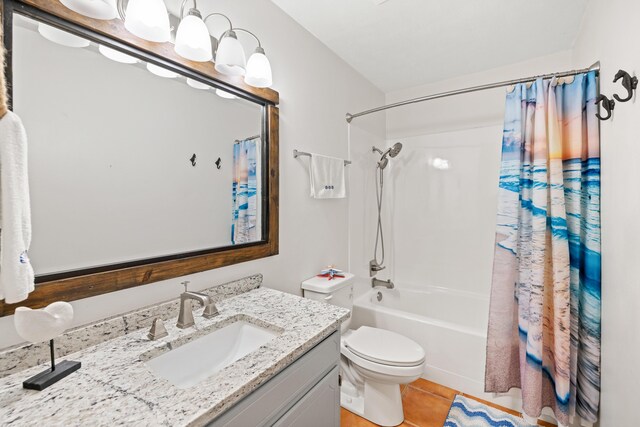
[(327, 177), (16, 273)]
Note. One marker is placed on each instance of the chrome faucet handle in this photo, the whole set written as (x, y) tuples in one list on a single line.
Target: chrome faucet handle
[(157, 330), (210, 310), (185, 284)]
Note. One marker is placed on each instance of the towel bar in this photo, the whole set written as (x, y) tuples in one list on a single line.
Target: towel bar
[(297, 153)]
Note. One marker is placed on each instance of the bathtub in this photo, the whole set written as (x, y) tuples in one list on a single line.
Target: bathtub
[(450, 325)]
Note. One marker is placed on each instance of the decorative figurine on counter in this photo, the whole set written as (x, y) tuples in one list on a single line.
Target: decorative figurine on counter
[(44, 325), (331, 273)]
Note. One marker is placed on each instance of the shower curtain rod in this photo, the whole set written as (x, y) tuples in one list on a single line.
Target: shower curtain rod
[(248, 139), (595, 67)]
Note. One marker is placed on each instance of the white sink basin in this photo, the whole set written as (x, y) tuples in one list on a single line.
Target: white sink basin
[(193, 362)]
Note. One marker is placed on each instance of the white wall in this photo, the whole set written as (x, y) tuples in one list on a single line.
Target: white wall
[(316, 90), (127, 191), (609, 32)]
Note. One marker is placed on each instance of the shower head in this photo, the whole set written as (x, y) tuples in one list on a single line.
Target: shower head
[(391, 152), (395, 150)]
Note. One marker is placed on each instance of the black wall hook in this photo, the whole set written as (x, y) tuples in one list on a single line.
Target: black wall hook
[(628, 82), (193, 159), (607, 104), (219, 163)]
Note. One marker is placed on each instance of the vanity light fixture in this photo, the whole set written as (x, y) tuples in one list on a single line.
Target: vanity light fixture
[(96, 9), (224, 94), (116, 55), (61, 37), (196, 84), (258, 69), (193, 42), (161, 72), (192, 38), (147, 19), (230, 58)]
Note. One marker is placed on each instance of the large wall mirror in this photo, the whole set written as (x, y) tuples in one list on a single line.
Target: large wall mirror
[(141, 169)]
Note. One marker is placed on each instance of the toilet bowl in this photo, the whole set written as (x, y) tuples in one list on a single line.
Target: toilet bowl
[(374, 362)]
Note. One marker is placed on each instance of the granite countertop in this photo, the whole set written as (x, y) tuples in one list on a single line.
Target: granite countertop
[(115, 386)]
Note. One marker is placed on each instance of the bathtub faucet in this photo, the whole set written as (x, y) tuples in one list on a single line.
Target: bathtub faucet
[(385, 283)]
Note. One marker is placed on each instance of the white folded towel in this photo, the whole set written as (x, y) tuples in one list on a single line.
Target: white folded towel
[(16, 273), (327, 177)]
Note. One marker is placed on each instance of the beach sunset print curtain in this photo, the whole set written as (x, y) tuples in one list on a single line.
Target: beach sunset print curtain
[(544, 323), (244, 227)]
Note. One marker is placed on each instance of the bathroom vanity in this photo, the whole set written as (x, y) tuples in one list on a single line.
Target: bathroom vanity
[(289, 380)]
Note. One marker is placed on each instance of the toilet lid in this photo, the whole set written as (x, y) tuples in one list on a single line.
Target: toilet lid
[(385, 347)]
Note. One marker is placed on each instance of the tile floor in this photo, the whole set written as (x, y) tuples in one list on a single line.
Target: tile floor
[(426, 404)]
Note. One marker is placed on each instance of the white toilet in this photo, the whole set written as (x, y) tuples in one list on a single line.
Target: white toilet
[(374, 361)]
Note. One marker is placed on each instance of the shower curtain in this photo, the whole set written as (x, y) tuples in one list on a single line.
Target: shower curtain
[(245, 204), (544, 322)]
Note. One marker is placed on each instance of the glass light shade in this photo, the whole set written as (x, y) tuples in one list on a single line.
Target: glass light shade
[(117, 56), (196, 84), (192, 39), (161, 72), (230, 59), (97, 9), (258, 70), (148, 19), (61, 37), (224, 94)]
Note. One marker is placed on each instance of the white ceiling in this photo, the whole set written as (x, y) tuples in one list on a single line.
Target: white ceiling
[(402, 43)]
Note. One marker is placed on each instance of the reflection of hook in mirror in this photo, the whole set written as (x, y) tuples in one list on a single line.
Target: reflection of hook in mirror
[(607, 104), (193, 160), (219, 163), (628, 82)]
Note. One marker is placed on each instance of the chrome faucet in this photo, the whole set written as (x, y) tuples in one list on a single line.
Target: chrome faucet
[(385, 283), (185, 318)]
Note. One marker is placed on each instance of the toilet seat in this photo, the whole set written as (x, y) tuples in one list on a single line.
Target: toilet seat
[(379, 368), (384, 347)]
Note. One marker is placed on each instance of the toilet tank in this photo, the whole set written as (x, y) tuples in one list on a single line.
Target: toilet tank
[(338, 291)]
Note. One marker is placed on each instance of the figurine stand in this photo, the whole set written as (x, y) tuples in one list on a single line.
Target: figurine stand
[(51, 376)]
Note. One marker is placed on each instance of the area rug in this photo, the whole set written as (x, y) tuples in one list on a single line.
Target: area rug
[(466, 412)]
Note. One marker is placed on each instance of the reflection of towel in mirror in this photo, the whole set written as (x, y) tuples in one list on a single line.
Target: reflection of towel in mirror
[(327, 177), (16, 273)]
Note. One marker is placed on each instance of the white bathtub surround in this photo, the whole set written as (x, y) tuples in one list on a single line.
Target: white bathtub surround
[(16, 273), (124, 391), (20, 357)]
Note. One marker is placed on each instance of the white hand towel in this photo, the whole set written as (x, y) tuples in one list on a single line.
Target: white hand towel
[(327, 177), (16, 273)]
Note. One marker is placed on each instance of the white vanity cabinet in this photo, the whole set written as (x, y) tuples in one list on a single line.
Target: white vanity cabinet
[(304, 394)]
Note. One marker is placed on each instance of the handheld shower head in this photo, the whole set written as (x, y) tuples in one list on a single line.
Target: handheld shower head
[(391, 152)]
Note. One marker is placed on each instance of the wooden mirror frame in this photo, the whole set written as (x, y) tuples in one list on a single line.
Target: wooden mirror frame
[(90, 282)]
